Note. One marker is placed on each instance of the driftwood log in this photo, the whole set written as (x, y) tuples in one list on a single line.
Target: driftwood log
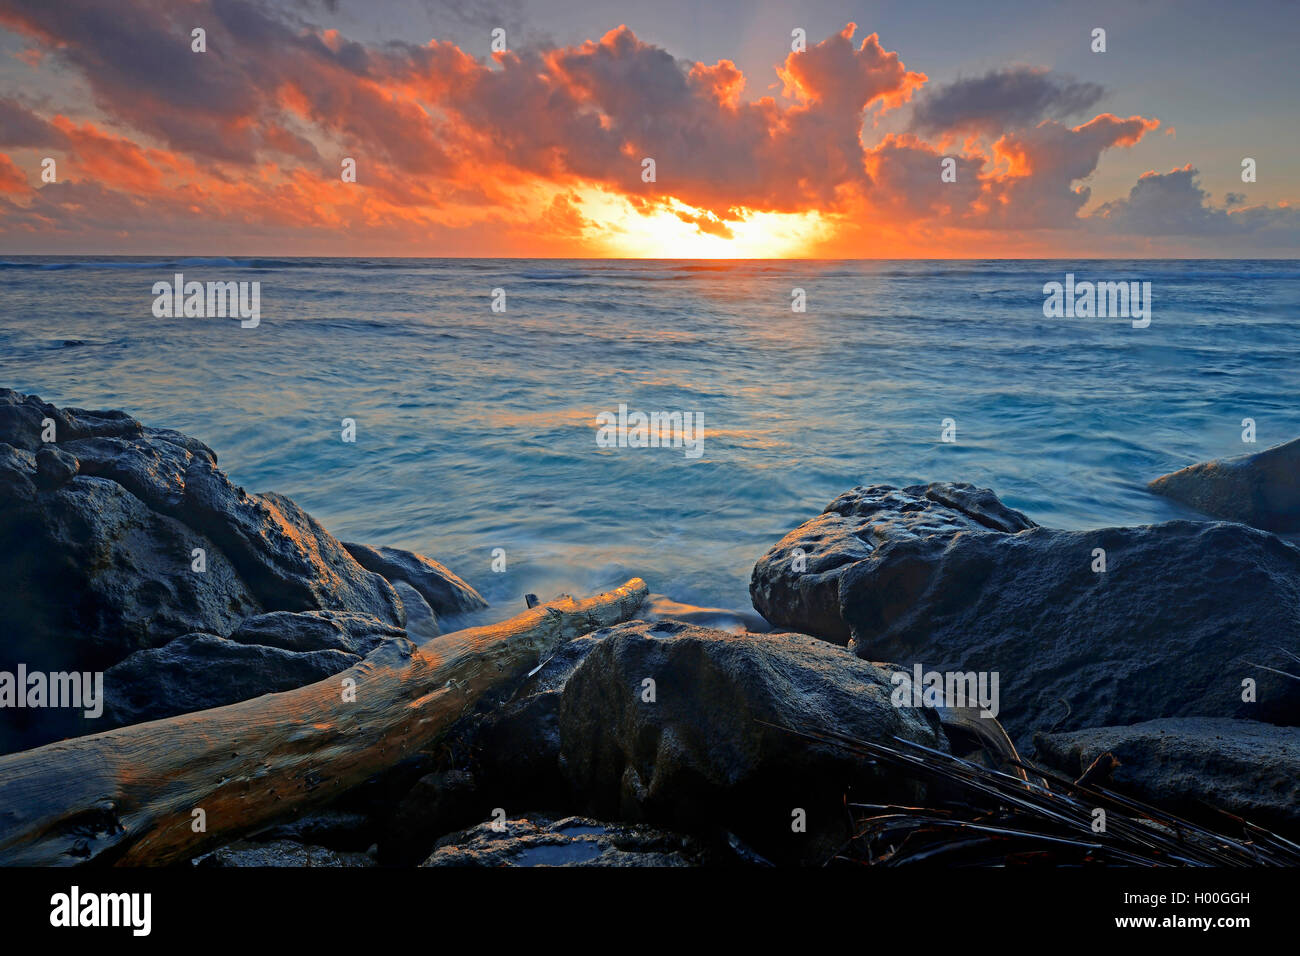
[(131, 795)]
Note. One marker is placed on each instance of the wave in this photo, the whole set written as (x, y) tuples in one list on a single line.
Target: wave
[(650, 270), (154, 264)]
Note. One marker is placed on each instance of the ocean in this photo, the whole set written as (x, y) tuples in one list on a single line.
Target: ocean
[(476, 430)]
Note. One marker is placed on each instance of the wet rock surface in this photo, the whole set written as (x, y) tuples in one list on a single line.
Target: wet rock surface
[(1260, 489), (571, 841), (704, 747), (446, 594), (797, 583), (346, 631), (438, 803), (198, 671), (947, 577), (1191, 764), (126, 550), (281, 853)]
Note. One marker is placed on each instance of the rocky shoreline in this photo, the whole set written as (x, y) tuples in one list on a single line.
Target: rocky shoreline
[(686, 736)]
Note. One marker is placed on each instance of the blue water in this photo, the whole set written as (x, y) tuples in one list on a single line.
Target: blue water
[(476, 430)]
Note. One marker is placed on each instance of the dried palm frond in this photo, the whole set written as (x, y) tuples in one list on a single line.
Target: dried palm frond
[(1000, 819)]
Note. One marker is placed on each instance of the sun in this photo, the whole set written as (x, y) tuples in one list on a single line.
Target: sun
[(676, 230)]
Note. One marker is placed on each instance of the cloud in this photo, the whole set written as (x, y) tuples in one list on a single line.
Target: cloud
[(247, 138), (20, 126), (1173, 204), (1002, 100), (906, 171)]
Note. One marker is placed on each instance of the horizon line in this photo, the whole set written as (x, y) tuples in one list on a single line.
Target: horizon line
[(260, 255)]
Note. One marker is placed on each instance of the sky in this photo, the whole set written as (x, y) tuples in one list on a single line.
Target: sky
[(665, 129)]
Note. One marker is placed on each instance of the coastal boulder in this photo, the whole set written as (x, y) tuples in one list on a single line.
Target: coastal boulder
[(446, 594), (1262, 489), (797, 583), (439, 803), (421, 622), (1187, 765), (1083, 628), (92, 575), (117, 538), (284, 556), (689, 728), (199, 671), (109, 497), (347, 631)]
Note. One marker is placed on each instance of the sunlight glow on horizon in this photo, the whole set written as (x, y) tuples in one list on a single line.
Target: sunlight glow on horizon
[(673, 231)]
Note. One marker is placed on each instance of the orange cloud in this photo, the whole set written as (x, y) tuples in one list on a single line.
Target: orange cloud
[(537, 150)]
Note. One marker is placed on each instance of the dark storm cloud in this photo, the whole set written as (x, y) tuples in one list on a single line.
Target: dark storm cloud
[(1003, 100)]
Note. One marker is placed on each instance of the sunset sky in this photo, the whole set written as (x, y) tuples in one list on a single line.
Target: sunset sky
[(758, 151)]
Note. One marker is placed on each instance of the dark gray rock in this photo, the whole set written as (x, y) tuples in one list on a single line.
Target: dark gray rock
[(421, 622), (701, 757), (198, 671), (281, 853), (571, 841), (518, 739), (945, 576), (345, 631), (1261, 489), (17, 475), (1184, 764), (445, 593), (331, 828), (797, 582), (282, 559), (55, 467), (288, 560), (98, 531), (93, 575), (438, 804), (22, 420)]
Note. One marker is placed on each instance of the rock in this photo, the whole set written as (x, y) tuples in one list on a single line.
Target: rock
[(17, 475), (331, 828), (438, 804), (55, 467), (117, 538), (1261, 489), (445, 593), (289, 560), (346, 631), (280, 557), (947, 577), (701, 757), (1246, 767), (421, 622), (198, 671), (571, 841), (286, 558), (518, 739), (281, 853), (23, 421), (797, 583), (93, 575)]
